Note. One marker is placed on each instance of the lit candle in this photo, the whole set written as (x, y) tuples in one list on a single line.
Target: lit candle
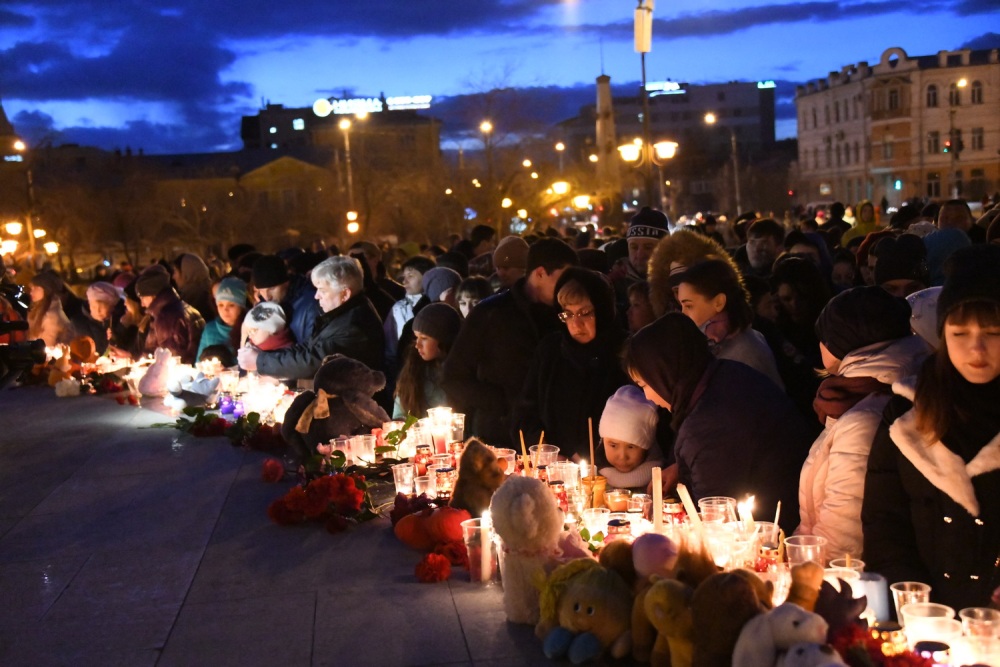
[(485, 550), (745, 510), (657, 500)]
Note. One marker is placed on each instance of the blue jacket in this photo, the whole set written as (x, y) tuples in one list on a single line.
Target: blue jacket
[(301, 308)]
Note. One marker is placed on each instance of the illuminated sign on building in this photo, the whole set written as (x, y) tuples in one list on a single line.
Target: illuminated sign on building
[(324, 107), (13, 158), (655, 88), (765, 84)]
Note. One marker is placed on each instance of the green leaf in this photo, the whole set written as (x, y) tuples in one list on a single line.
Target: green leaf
[(193, 412), (253, 419), (384, 449), (585, 534)]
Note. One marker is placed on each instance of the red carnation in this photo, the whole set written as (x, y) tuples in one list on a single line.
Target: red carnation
[(120, 399), (282, 514), (317, 500), (296, 499), (455, 552), (272, 471), (433, 568)]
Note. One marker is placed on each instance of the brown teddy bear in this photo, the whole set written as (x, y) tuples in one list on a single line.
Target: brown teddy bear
[(716, 632), (479, 476)]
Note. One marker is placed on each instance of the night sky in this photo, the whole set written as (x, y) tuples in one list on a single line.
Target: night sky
[(176, 76)]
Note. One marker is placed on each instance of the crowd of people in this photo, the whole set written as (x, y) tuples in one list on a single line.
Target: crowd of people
[(849, 371)]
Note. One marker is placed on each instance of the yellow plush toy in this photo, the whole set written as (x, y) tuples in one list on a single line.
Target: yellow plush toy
[(668, 608), (807, 579), (61, 367), (585, 611)]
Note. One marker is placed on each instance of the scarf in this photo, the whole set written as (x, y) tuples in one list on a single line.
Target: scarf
[(716, 329), (838, 394)]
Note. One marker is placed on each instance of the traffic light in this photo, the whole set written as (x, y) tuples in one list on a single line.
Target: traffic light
[(959, 146), (947, 146)]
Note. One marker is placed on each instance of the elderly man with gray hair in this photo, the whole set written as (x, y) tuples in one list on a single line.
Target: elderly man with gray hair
[(348, 325)]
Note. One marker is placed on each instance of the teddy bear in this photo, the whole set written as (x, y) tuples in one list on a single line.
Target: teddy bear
[(807, 579), (527, 518), (764, 638), (154, 382), (479, 476), (584, 612), (340, 404), (716, 632), (652, 556), (839, 608), (667, 608), (810, 654), (61, 367)]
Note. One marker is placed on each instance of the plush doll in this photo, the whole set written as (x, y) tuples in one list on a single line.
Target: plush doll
[(340, 404), (154, 382), (653, 556), (479, 476), (192, 389), (809, 654), (61, 367), (839, 608), (527, 518), (807, 579), (83, 350), (667, 608), (431, 527), (766, 637), (584, 612), (716, 631), (68, 387)]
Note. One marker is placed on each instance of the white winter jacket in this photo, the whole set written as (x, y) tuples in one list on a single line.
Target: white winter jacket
[(832, 482)]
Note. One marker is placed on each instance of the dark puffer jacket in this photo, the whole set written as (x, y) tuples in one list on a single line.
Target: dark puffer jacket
[(353, 329)]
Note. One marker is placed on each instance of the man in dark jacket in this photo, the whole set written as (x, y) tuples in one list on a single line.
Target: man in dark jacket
[(296, 295), (348, 325), (485, 370)]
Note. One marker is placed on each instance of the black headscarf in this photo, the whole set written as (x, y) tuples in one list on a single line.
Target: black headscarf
[(598, 288), (671, 355)]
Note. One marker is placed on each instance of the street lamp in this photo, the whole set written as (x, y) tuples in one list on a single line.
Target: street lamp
[(641, 154), (21, 147), (643, 44), (345, 125), (955, 135), (560, 148), (710, 119), (486, 128)]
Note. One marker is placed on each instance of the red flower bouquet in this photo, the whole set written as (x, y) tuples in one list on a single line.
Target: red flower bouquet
[(433, 568), (862, 647), (338, 501), (272, 471)]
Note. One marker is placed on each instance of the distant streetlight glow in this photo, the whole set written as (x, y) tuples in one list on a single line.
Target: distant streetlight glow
[(560, 187), (39, 233), (352, 216), (344, 124), (51, 247), (507, 202), (526, 164), (593, 157), (486, 127), (19, 145), (13, 228)]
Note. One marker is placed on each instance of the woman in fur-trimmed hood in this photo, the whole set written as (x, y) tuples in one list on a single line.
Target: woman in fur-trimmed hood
[(931, 510)]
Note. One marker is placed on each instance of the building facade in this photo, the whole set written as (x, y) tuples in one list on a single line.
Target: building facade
[(924, 126)]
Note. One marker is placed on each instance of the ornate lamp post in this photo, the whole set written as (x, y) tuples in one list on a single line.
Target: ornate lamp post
[(710, 118), (649, 156)]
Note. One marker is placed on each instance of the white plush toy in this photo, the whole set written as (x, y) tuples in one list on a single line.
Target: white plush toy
[(68, 387), (191, 389), (154, 382), (808, 654), (527, 518), (765, 637)]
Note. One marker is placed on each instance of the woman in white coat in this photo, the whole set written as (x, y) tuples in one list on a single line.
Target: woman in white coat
[(866, 345)]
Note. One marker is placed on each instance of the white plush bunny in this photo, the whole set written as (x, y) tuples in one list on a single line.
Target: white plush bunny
[(154, 382), (765, 637), (808, 654)]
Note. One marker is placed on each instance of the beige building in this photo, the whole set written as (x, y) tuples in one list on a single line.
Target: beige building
[(924, 126)]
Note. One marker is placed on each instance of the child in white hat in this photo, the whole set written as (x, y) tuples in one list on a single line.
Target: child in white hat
[(628, 440), (265, 327)]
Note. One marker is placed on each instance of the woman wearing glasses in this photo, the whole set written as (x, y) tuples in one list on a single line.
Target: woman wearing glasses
[(574, 370)]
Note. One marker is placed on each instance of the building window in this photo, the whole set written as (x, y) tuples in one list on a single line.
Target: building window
[(933, 184), (273, 130), (826, 114), (829, 156), (976, 95), (932, 96), (298, 124), (838, 155), (857, 153), (888, 147), (857, 106), (933, 142), (977, 139), (815, 158), (721, 97), (815, 122), (954, 95), (894, 99), (836, 111)]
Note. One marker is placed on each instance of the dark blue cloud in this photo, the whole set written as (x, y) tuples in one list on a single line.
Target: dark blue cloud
[(9, 19), (990, 40)]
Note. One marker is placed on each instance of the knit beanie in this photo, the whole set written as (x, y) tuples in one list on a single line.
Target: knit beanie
[(49, 281), (439, 321), (629, 417), (104, 293), (269, 271), (648, 223), (266, 316), (862, 316), (232, 290), (940, 246), (153, 280), (438, 280), (971, 274), (901, 258), (237, 251), (511, 253)]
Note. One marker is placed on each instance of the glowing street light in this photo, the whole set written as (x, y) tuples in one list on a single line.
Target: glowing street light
[(711, 119), (345, 125), (506, 202), (560, 148), (39, 233), (13, 228), (19, 146), (655, 155), (51, 247), (560, 187), (526, 163)]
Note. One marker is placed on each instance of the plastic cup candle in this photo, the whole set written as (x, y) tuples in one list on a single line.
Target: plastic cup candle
[(805, 548), (440, 427), (507, 458), (543, 455), (657, 500), (745, 510), (478, 537), (617, 500), (641, 504), (595, 520), (402, 475), (906, 592), (980, 622), (424, 485), (457, 427)]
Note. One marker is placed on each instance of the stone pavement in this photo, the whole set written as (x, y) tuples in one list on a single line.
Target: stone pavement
[(124, 545)]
